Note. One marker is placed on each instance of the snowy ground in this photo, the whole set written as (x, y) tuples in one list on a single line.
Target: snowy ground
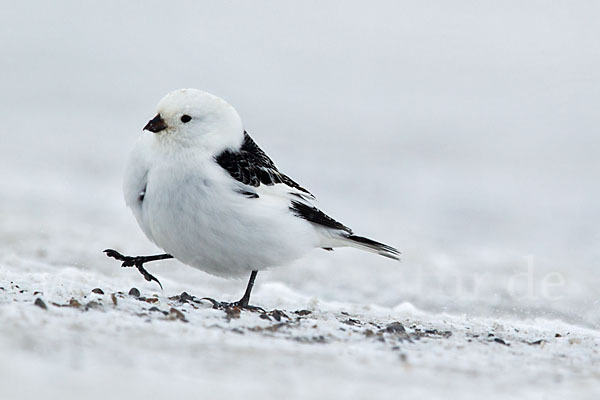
[(80, 343), (466, 132)]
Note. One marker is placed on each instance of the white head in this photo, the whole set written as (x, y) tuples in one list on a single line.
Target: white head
[(191, 117)]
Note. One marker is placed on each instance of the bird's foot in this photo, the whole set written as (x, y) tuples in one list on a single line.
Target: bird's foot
[(241, 304), (137, 261)]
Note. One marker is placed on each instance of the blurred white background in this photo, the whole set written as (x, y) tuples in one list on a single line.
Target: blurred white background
[(465, 133)]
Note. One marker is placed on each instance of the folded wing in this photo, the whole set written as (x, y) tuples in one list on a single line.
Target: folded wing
[(252, 167)]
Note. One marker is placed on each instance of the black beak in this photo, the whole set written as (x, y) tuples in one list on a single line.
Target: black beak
[(156, 124)]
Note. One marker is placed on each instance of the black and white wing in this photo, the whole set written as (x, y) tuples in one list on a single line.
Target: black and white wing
[(252, 167)]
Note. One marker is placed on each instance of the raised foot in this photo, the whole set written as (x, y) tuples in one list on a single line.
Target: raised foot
[(241, 304), (128, 261), (137, 261)]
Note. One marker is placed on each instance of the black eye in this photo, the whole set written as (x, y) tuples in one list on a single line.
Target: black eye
[(185, 118)]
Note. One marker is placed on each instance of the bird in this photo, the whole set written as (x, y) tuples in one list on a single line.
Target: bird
[(203, 191)]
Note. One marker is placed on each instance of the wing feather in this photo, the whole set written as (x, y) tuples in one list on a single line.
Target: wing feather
[(251, 166)]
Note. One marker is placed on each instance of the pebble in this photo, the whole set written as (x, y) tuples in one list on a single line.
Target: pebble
[(395, 327), (74, 303), (176, 314), (278, 314), (185, 298), (232, 312), (40, 303), (134, 292), (501, 341)]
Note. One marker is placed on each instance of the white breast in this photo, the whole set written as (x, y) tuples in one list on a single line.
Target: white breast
[(191, 209)]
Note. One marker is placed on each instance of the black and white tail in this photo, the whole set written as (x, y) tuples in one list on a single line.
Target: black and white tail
[(364, 243), (341, 234)]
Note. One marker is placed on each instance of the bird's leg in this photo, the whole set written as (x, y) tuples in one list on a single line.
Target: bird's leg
[(138, 262), (241, 303)]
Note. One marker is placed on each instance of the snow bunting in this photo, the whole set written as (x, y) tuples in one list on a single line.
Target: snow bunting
[(203, 191)]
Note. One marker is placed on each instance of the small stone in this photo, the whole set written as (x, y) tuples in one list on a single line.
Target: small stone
[(558, 335), (35, 293), (175, 314), (185, 298), (395, 327), (74, 303), (134, 292), (40, 303), (536, 342), (278, 314), (397, 330), (113, 297), (302, 312), (233, 312), (501, 341), (154, 308), (151, 300), (369, 333), (97, 291)]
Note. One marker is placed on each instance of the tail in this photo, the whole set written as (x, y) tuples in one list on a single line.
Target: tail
[(363, 243)]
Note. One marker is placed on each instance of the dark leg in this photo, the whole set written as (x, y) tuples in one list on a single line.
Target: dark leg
[(243, 302), (138, 262)]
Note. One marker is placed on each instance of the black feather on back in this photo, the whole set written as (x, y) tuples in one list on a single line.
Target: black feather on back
[(251, 166)]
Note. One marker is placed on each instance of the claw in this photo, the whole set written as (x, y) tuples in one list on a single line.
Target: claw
[(147, 275), (114, 254), (137, 262), (216, 304), (127, 260), (249, 307), (223, 305)]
